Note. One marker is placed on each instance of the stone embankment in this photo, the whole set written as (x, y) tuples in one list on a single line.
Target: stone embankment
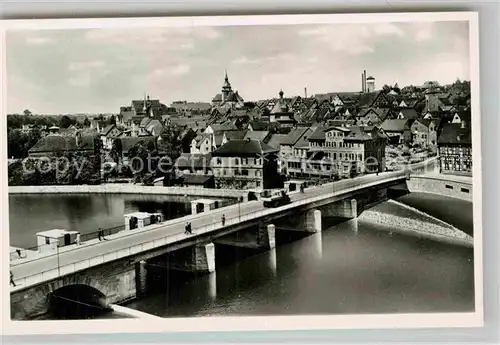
[(422, 225), (126, 189)]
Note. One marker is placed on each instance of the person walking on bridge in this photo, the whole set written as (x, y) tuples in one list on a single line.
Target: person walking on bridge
[(189, 230), (223, 219), (12, 279)]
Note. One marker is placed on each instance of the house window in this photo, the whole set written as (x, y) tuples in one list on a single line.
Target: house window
[(448, 186), (464, 190), (257, 183), (47, 240), (236, 161), (219, 161)]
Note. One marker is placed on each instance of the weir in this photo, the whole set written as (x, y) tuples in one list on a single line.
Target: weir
[(407, 220)]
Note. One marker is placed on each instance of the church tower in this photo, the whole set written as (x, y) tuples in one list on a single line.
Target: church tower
[(226, 89)]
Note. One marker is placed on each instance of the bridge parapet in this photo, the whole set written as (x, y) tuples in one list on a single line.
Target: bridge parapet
[(70, 263)]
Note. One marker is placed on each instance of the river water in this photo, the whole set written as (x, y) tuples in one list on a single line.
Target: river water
[(351, 267), (31, 213)]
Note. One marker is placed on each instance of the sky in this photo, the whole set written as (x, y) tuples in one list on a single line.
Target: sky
[(99, 70)]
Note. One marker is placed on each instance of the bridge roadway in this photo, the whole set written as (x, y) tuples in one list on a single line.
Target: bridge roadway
[(42, 267)]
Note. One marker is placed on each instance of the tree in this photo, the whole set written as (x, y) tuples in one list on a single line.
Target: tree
[(26, 112), (116, 150), (170, 143), (15, 121), (112, 120), (86, 122), (65, 122), (139, 157), (386, 88)]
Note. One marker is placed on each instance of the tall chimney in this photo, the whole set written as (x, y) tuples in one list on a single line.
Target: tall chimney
[(305, 92), (364, 80), (362, 83)]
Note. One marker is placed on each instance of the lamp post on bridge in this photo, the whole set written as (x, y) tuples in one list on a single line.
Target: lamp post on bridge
[(240, 200), (57, 253)]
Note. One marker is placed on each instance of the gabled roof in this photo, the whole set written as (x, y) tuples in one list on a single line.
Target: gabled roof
[(228, 126), (410, 114), (247, 147), (394, 125), (129, 142), (303, 142), (200, 138), (107, 129), (257, 135), (453, 133), (357, 133), (465, 115), (318, 134), (259, 125), (145, 121), (58, 143), (425, 122), (232, 135), (382, 113), (280, 107), (154, 127), (367, 99), (276, 139), (294, 135)]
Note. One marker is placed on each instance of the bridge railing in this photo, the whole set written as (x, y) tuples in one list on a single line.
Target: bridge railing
[(107, 232), (64, 268)]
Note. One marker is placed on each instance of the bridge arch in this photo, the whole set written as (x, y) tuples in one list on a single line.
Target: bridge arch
[(76, 301), (43, 298)]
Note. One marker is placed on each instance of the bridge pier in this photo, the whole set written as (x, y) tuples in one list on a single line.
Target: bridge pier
[(342, 209), (204, 258), (141, 275), (312, 221)]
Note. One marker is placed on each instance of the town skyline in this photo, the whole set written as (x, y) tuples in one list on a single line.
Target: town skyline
[(98, 70)]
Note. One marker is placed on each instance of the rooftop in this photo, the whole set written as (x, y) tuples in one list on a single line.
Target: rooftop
[(246, 147)]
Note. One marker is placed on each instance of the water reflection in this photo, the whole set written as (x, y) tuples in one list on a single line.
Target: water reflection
[(212, 285), (272, 261), (318, 245), (29, 214)]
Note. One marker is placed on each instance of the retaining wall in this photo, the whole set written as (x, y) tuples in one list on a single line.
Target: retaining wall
[(126, 189), (459, 189)]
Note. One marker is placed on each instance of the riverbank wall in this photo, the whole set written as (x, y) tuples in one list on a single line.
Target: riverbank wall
[(127, 189), (433, 228), (458, 187)]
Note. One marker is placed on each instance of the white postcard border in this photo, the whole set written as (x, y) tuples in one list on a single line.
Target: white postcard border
[(264, 323)]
